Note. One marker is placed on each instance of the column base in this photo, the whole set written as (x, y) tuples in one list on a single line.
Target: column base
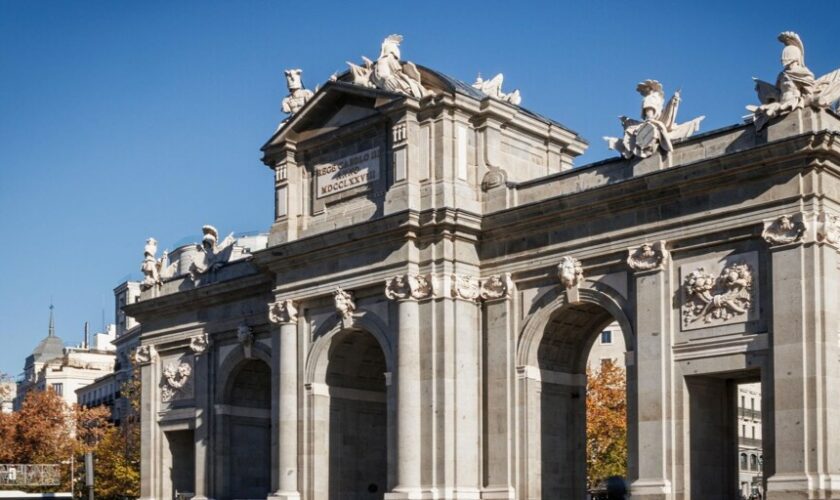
[(651, 489), (498, 493), (284, 495), (785, 486), (411, 494)]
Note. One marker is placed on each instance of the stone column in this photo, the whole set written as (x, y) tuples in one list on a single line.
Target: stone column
[(406, 290), (498, 385), (146, 359), (652, 418), (806, 373), (284, 397), (467, 332), (199, 345)]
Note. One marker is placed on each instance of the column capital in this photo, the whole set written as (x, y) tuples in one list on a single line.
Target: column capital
[(497, 287), (648, 257), (283, 311), (785, 230), (199, 343), (410, 286), (145, 354)]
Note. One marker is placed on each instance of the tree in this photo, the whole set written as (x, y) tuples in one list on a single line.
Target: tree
[(606, 423)]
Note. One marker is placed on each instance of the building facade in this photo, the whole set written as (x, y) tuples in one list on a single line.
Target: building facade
[(750, 452), (420, 321)]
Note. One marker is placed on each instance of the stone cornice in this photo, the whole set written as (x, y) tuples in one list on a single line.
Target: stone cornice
[(201, 297)]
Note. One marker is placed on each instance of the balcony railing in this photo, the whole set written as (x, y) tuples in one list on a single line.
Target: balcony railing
[(752, 442), (751, 414), (30, 474)]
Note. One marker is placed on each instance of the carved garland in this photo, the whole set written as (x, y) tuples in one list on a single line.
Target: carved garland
[(175, 378), (709, 298), (409, 286), (828, 228)]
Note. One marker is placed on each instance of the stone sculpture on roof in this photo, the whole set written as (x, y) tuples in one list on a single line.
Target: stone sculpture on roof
[(388, 72), (658, 126), (795, 86), (211, 255), (154, 270), (493, 88), (298, 95)]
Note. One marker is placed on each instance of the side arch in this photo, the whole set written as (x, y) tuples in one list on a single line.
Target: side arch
[(363, 320), (552, 301)]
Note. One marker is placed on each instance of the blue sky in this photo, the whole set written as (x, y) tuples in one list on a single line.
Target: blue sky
[(124, 120)]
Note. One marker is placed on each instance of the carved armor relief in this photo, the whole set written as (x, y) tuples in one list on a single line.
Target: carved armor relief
[(719, 291)]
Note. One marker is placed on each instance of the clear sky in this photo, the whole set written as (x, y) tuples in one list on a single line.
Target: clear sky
[(124, 120)]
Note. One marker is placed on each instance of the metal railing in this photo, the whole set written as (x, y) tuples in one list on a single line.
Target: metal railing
[(745, 441), (30, 474), (748, 413)]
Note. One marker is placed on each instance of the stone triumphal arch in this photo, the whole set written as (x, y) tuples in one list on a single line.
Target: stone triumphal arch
[(417, 320)]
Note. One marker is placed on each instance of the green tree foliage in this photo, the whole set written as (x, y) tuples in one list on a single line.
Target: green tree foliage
[(606, 423)]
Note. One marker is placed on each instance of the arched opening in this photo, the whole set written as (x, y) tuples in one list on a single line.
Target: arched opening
[(246, 436), (355, 378), (578, 339)]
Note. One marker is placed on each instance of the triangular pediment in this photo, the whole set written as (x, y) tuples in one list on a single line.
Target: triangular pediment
[(335, 105)]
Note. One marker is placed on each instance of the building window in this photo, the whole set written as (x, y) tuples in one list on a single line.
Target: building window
[(753, 432), (58, 388), (753, 462), (743, 403), (752, 403), (607, 361), (606, 337), (743, 461), (743, 430)]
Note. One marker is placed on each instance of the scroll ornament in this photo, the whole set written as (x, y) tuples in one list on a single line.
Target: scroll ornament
[(175, 378), (718, 298)]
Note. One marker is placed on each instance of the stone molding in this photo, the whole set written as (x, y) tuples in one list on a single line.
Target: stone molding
[(199, 343), (722, 298), (144, 354), (784, 230), (175, 379), (410, 287), (570, 271), (283, 311), (245, 336), (496, 287), (648, 257)]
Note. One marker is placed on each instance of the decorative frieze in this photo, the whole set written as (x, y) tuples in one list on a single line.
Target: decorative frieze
[(497, 286), (176, 376), (648, 256), (283, 311), (144, 354), (465, 287), (199, 343), (345, 304), (245, 336), (409, 286), (570, 271), (711, 298), (784, 230)]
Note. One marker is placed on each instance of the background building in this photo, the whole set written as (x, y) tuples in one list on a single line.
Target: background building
[(65, 369)]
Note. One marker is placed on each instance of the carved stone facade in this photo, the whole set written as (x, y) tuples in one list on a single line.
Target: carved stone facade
[(436, 274)]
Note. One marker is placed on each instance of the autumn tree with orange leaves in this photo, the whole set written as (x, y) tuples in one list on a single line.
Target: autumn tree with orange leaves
[(606, 423)]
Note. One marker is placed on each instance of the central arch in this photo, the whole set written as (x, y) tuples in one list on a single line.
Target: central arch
[(349, 409), (552, 359)]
